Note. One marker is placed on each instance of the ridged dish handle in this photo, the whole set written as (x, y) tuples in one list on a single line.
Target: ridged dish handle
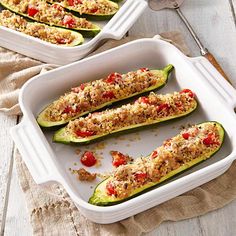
[(32, 150), (224, 88), (124, 19)]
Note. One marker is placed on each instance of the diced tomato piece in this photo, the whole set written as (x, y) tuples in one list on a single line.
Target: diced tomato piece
[(144, 69), (82, 86), (209, 140), (186, 136), (68, 109), (118, 158), (145, 100), (32, 11), (140, 176), (88, 159), (108, 94), (61, 41), (113, 77), (94, 10), (57, 6), (77, 109), (74, 2), (110, 189), (84, 134), (71, 2), (190, 93), (162, 107), (69, 21), (119, 162), (154, 154)]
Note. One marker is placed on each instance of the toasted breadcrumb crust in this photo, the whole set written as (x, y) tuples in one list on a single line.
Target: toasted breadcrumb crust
[(91, 95), (84, 175), (47, 13), (96, 7), (49, 34), (139, 112)]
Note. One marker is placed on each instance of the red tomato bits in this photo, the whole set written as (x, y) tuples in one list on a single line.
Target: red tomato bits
[(88, 159)]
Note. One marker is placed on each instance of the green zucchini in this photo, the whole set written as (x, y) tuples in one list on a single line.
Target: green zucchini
[(86, 32), (101, 198), (7, 18), (91, 16), (162, 76), (63, 136)]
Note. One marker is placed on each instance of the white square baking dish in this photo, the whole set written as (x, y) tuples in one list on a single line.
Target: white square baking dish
[(115, 28), (49, 161)]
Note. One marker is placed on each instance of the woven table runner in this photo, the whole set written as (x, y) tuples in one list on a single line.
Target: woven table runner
[(51, 210)]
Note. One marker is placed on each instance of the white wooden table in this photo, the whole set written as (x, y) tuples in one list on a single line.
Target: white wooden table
[(215, 23)]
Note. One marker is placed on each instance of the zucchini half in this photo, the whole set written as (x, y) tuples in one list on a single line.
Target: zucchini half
[(90, 16), (85, 32), (164, 73), (78, 38), (62, 136), (100, 198)]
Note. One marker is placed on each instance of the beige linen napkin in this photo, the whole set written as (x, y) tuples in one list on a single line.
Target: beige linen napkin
[(52, 212)]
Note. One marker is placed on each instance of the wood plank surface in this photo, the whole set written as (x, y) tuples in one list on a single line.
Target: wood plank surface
[(6, 148), (17, 218), (215, 25)]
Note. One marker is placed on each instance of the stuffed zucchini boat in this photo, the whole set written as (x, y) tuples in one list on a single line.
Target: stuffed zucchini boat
[(144, 111), (44, 32), (91, 9), (190, 147), (53, 15), (97, 94)]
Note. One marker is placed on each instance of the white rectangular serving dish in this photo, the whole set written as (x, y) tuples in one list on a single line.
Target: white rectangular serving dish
[(49, 161), (38, 49)]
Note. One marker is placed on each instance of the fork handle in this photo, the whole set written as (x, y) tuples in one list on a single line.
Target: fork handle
[(214, 62)]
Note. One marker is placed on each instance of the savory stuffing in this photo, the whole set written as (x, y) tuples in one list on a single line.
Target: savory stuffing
[(197, 141), (41, 31), (94, 7), (89, 96), (144, 110), (85, 175), (46, 13)]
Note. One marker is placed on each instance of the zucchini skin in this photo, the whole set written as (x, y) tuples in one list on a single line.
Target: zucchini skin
[(87, 33), (116, 0), (96, 200), (93, 17), (166, 72), (128, 130)]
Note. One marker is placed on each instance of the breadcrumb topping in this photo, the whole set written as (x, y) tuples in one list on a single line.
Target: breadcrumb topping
[(47, 13), (144, 111), (191, 143), (89, 96), (49, 34), (95, 7)]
